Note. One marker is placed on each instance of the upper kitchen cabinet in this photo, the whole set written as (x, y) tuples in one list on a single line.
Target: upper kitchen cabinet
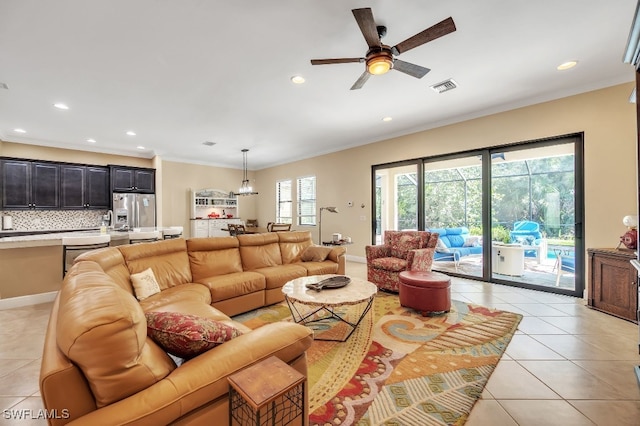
[(133, 179), (84, 187), (30, 185)]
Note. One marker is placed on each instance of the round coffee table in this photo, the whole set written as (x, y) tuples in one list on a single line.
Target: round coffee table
[(307, 305)]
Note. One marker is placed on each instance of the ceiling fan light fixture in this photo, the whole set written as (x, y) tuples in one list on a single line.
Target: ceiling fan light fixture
[(379, 65)]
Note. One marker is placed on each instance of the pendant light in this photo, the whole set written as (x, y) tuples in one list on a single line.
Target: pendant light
[(245, 188)]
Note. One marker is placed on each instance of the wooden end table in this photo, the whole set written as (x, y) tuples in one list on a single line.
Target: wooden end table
[(270, 392)]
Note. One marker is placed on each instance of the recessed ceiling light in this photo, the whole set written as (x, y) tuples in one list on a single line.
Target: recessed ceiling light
[(20, 130), (140, 147), (131, 133), (566, 65), (91, 140), (61, 106), (297, 79), (387, 119)]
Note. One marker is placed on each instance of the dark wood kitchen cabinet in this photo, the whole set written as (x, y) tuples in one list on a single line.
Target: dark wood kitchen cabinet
[(30, 185), (613, 282), (133, 179), (84, 187)]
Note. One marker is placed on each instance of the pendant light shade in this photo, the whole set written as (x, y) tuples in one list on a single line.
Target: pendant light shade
[(245, 188)]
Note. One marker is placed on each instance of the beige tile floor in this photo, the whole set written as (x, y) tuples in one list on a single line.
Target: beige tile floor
[(566, 365)]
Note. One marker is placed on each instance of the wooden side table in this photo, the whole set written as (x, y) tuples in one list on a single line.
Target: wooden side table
[(268, 393), (613, 282)]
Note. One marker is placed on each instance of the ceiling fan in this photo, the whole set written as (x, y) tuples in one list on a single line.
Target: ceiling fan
[(381, 58)]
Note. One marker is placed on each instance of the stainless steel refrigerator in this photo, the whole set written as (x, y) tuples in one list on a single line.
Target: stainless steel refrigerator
[(134, 211)]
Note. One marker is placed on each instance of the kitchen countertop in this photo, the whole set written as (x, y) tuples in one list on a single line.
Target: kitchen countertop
[(54, 238)]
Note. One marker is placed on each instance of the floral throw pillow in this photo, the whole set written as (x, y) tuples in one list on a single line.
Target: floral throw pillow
[(186, 336)]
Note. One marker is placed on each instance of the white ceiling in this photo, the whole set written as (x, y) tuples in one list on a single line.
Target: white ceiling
[(180, 73)]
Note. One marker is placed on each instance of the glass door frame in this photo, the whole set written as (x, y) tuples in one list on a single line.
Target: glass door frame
[(485, 155)]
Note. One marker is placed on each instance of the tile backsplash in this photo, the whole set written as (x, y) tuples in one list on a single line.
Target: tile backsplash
[(33, 220)]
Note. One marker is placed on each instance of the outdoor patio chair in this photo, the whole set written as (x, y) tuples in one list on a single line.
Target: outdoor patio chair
[(565, 262), (401, 251), (527, 233)]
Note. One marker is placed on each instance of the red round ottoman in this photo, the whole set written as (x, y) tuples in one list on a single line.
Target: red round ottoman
[(427, 292)]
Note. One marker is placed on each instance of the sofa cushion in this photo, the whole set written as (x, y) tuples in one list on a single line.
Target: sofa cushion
[(112, 263), (278, 276), (456, 240), (293, 244), (185, 335), (320, 268), (315, 254), (168, 259), (102, 329), (144, 284), (213, 256), (229, 286), (393, 264), (193, 293), (259, 251)]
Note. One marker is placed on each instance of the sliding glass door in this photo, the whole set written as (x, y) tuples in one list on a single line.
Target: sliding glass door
[(396, 198), (511, 215), (453, 209), (536, 215)]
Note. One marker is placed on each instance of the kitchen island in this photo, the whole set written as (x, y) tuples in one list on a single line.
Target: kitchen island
[(31, 265)]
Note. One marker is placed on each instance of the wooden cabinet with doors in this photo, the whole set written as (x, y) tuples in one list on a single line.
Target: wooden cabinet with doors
[(133, 179), (84, 187), (30, 185), (613, 282)]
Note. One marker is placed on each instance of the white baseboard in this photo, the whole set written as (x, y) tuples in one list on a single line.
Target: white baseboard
[(33, 299), (358, 259)]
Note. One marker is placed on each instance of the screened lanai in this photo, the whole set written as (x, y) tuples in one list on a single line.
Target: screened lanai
[(531, 208)]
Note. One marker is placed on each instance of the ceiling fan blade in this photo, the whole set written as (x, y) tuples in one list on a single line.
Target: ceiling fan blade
[(360, 81), (440, 29), (364, 18), (335, 61), (411, 69)]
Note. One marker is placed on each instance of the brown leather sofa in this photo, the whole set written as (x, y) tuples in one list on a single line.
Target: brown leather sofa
[(100, 367)]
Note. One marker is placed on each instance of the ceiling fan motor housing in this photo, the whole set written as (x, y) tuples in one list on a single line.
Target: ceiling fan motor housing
[(379, 60)]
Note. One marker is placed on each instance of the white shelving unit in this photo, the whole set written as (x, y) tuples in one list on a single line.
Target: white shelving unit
[(212, 201), (206, 201)]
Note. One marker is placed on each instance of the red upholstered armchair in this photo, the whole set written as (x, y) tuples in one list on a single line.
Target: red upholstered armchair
[(401, 251)]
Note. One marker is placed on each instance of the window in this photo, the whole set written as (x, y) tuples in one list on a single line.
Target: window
[(307, 200), (284, 203)]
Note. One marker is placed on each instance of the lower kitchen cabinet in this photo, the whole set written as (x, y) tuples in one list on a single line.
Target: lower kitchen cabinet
[(199, 228), (613, 282)]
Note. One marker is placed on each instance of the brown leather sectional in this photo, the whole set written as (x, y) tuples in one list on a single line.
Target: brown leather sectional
[(99, 366)]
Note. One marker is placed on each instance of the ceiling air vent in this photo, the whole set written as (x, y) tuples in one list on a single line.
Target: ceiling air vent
[(444, 86)]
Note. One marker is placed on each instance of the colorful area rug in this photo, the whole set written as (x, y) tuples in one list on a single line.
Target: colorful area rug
[(399, 368)]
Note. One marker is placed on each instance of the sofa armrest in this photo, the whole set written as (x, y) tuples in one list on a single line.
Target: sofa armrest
[(202, 380), (335, 253), (375, 252), (420, 259)]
